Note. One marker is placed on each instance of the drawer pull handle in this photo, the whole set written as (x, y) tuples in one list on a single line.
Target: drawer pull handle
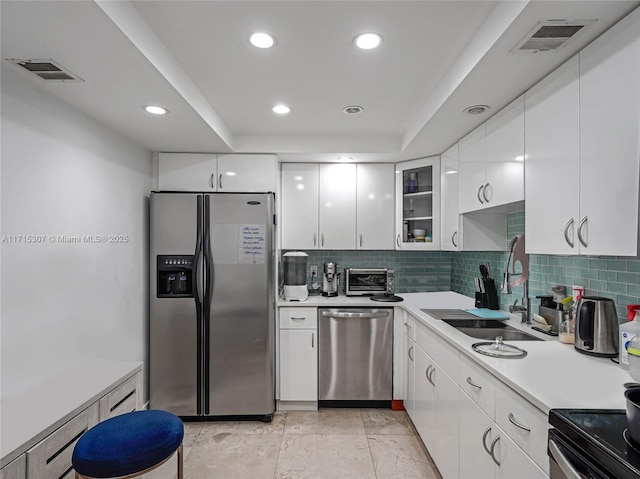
[(471, 383), (516, 423), (493, 446), (407, 325), (484, 440), (297, 319)]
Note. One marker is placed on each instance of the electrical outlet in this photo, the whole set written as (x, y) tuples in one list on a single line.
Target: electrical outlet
[(313, 270)]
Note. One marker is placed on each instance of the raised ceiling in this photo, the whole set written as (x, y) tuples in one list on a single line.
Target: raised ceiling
[(193, 57)]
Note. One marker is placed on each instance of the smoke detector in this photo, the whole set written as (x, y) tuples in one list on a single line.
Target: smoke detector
[(551, 35), (46, 69)]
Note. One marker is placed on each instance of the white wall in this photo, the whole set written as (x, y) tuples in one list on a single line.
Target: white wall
[(63, 173)]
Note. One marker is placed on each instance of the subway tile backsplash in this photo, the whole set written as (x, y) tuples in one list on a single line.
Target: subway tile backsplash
[(614, 277)]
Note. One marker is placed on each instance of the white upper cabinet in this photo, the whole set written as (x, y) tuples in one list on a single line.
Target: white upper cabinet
[(337, 206), (211, 172), (299, 205), (375, 206), (583, 150), (552, 132), (418, 204), (610, 141), (492, 161), (450, 238), (247, 173), (187, 171)]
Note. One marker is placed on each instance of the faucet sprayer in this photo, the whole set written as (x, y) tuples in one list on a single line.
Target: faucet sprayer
[(517, 253)]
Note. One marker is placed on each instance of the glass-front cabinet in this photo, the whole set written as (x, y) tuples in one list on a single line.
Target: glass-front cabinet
[(418, 204)]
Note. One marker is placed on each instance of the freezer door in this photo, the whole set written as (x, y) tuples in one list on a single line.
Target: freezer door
[(173, 323), (242, 305)]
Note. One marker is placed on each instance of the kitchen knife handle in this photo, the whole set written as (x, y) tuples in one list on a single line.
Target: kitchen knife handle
[(566, 232), (493, 445), (453, 238), (516, 423), (484, 439), (479, 190), (580, 226)]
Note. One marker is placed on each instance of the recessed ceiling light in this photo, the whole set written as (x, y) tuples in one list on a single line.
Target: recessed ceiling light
[(345, 158), (368, 41), (156, 110), (262, 40), (476, 109), (281, 109), (352, 110)]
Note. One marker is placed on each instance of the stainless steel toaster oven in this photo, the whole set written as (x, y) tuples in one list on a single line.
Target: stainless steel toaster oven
[(368, 281)]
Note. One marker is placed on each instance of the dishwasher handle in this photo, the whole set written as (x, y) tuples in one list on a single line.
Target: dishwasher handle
[(356, 315)]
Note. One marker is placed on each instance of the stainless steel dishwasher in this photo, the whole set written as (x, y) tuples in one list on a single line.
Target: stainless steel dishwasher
[(355, 362)]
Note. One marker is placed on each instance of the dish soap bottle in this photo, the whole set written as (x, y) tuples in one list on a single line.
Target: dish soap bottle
[(567, 329), (628, 331)]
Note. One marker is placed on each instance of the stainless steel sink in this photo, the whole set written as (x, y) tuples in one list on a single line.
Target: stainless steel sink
[(489, 329)]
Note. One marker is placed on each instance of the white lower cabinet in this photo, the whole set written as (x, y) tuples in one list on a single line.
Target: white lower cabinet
[(298, 348)]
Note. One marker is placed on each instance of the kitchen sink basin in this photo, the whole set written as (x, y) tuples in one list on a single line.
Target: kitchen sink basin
[(489, 329)]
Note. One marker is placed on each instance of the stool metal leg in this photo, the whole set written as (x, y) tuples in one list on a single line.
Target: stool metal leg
[(180, 463)]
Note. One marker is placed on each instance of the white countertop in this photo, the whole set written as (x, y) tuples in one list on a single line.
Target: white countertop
[(29, 417), (552, 375)]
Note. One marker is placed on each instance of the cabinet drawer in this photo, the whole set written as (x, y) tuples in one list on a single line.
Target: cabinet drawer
[(51, 458), (442, 354), (524, 423), (298, 318), (478, 384), (409, 326), (16, 469), (121, 400)]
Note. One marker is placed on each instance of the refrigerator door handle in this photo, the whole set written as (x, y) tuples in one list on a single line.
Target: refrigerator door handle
[(196, 295), (208, 292)]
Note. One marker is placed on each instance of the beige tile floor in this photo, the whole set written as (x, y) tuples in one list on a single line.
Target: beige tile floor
[(324, 444)]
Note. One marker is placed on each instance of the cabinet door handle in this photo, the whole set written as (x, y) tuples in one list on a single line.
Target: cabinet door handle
[(315, 239), (471, 383), (431, 379), (409, 352), (398, 241), (453, 238), (313, 340), (426, 373), (220, 181), (479, 190), (407, 325), (322, 239), (212, 181), (583, 222), (516, 423), (484, 440), (566, 232), (361, 240), (484, 192), (493, 445)]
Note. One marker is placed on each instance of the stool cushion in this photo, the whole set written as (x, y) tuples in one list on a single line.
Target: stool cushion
[(127, 444)]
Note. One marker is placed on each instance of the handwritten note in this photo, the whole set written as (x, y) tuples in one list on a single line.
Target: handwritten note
[(252, 244)]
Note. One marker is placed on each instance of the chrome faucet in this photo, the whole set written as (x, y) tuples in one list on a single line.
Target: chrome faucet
[(517, 251)]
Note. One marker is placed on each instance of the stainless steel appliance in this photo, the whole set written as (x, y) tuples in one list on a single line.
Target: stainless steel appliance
[(295, 276), (355, 356), (591, 443), (368, 281), (330, 279), (596, 327), (212, 306)]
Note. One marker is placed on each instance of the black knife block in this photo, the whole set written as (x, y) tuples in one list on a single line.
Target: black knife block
[(488, 299)]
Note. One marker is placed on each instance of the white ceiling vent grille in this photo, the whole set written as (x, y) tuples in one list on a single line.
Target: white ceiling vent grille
[(46, 69), (551, 35)]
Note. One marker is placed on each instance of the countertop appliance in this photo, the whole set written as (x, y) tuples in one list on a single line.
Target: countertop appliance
[(330, 279), (295, 276), (591, 443), (212, 305), (355, 356), (596, 327), (368, 281)]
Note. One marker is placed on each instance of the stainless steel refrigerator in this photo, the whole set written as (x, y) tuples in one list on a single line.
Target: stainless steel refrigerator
[(212, 309)]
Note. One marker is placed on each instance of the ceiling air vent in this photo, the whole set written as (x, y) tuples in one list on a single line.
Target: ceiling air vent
[(551, 35), (46, 69)]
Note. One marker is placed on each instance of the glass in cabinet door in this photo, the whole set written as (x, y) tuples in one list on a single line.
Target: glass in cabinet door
[(417, 205)]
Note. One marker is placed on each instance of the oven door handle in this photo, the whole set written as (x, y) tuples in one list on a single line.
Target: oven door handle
[(563, 463)]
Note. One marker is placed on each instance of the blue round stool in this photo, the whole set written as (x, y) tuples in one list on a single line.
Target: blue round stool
[(129, 445)]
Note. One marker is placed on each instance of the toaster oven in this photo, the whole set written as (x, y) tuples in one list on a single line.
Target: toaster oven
[(368, 281)]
